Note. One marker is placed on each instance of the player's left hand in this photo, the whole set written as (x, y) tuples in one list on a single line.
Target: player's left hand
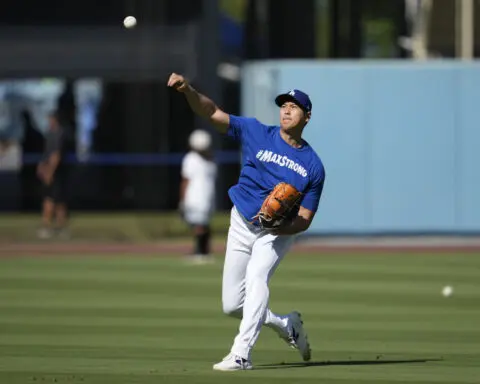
[(279, 230)]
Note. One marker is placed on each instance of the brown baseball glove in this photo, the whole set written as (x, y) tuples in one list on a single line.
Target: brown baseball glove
[(279, 206)]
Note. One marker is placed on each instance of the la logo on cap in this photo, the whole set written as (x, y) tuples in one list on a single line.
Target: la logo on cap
[(291, 93)]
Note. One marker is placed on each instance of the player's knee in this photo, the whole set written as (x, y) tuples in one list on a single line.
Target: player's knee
[(232, 309)]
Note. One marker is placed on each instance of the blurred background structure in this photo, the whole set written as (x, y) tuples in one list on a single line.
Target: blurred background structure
[(393, 83), (395, 86)]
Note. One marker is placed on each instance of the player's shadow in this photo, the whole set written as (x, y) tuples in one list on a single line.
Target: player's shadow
[(378, 361)]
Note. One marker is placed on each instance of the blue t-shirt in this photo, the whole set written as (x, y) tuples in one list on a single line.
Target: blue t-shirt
[(268, 160)]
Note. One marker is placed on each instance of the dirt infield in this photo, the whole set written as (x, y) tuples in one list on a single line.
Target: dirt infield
[(319, 246)]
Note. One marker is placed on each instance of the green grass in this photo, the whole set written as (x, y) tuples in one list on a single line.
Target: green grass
[(139, 319), (110, 227)]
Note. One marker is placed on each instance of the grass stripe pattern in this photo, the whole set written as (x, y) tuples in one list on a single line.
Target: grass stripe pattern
[(140, 319)]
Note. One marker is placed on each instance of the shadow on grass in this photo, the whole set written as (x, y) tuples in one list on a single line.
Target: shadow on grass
[(327, 363)]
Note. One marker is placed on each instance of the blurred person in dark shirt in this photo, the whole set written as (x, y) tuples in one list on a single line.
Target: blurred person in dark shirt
[(53, 172)]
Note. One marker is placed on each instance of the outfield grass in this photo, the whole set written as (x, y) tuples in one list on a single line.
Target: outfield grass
[(114, 320)]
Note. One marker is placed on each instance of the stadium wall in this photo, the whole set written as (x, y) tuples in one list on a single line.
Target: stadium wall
[(399, 140)]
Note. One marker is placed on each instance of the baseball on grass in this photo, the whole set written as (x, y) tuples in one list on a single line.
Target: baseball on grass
[(129, 22), (447, 291)]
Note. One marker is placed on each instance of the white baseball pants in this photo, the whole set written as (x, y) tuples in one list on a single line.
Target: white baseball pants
[(252, 255), (197, 217)]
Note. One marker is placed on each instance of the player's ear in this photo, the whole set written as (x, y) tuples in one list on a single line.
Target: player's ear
[(307, 117)]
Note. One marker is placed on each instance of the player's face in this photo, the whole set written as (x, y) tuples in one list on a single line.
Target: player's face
[(292, 116)]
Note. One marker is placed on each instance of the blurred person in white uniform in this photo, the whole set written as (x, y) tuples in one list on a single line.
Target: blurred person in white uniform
[(197, 192)]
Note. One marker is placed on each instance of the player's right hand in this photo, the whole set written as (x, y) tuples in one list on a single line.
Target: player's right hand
[(178, 82)]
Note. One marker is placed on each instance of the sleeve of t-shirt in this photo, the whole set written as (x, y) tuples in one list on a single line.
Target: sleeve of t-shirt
[(188, 166), (240, 127), (313, 194)]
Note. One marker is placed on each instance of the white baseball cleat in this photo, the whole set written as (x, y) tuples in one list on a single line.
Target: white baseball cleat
[(232, 362), (297, 337)]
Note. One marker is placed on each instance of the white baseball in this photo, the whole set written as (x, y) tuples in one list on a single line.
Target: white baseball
[(130, 22), (447, 291)]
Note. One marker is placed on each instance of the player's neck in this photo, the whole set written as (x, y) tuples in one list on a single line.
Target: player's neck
[(293, 138)]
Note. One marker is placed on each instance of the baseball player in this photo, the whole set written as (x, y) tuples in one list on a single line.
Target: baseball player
[(53, 172), (197, 192), (271, 154)]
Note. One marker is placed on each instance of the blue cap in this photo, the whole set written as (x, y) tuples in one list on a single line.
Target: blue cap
[(298, 97)]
